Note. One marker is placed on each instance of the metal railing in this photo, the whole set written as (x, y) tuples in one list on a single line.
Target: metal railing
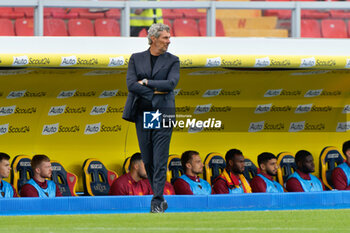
[(210, 6)]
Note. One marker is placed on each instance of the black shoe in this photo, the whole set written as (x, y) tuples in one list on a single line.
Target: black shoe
[(156, 209), (159, 208), (164, 205)]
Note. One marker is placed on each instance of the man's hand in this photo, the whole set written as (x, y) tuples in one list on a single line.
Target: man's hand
[(143, 82)]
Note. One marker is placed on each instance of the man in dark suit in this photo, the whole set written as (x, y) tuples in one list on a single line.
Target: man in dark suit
[(151, 78)]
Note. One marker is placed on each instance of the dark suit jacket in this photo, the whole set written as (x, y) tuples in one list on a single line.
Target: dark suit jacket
[(164, 78)]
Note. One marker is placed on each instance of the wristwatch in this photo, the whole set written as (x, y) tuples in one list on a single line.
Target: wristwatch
[(144, 82)]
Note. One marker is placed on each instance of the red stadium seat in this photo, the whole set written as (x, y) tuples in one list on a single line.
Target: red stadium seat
[(203, 28), (24, 27), (191, 13), (113, 14), (334, 28), (281, 14), (85, 13), (6, 28), (107, 27), (167, 22), (62, 13), (314, 14), (349, 27), (310, 28), (28, 11), (171, 14), (7, 12), (339, 14), (55, 27), (80, 27), (185, 27), (143, 33)]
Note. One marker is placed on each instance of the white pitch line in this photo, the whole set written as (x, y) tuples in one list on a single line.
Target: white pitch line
[(159, 229)]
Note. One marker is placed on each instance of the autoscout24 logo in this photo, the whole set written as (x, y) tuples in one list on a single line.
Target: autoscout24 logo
[(157, 120)]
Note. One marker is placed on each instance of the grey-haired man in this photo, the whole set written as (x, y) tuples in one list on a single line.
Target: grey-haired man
[(151, 78)]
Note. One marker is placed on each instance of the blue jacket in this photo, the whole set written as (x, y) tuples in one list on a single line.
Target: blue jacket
[(346, 169), (313, 185), (50, 191), (198, 188), (6, 190), (271, 185)]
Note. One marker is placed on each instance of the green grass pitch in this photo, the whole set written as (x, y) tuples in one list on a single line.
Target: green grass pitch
[(249, 221)]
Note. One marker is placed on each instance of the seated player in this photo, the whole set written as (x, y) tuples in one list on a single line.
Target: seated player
[(135, 182), (231, 180), (190, 183), (6, 189), (341, 174), (39, 186), (264, 182), (302, 180)]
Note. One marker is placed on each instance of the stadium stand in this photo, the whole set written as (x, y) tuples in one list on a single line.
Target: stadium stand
[(257, 33), (97, 179), (185, 27), (310, 28), (214, 164), (24, 27), (8, 12), (80, 27), (339, 14), (21, 171), (66, 181), (314, 14), (143, 33), (190, 13), (107, 27), (62, 13), (169, 23), (238, 13), (330, 157), (6, 28), (55, 27), (27, 11), (86, 14), (113, 14), (250, 169), (171, 14), (334, 28), (203, 28), (287, 166), (175, 169), (230, 23)]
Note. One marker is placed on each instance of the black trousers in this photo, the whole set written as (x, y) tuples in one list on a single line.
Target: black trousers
[(154, 146)]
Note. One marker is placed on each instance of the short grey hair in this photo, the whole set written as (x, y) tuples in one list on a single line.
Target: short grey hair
[(155, 29)]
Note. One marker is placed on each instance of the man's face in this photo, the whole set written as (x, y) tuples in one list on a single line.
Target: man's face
[(44, 169), (4, 168), (238, 164), (196, 165), (162, 42), (308, 164), (347, 154), (141, 171), (270, 167)]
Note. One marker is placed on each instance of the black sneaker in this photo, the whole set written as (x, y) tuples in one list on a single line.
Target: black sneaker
[(164, 205), (157, 209)]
